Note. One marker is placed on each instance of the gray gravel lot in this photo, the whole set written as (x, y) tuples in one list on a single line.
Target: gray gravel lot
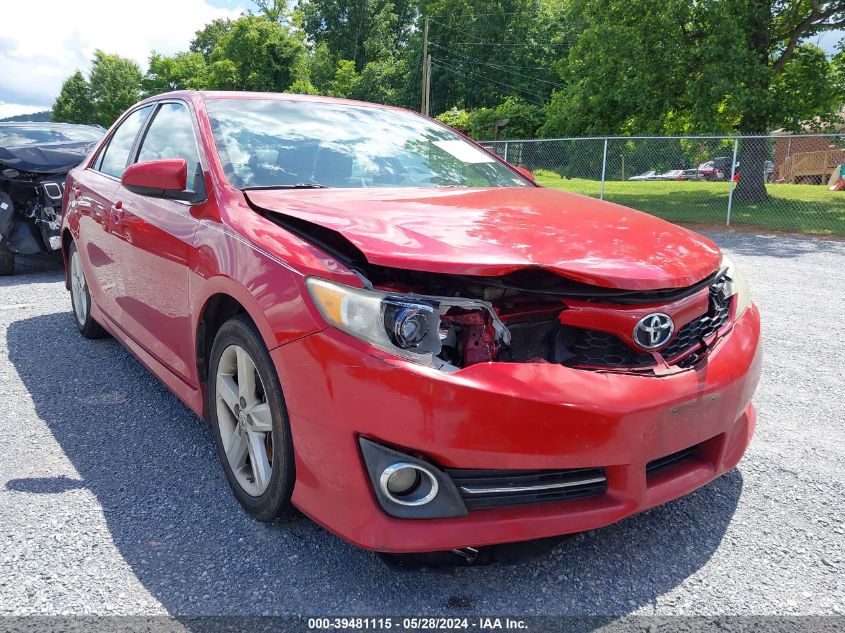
[(112, 500)]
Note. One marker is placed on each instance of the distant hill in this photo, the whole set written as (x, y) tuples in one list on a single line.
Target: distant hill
[(45, 115)]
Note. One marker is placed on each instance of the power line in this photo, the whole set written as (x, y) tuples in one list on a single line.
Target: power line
[(500, 65), (485, 15), (503, 68), (491, 82), (490, 44)]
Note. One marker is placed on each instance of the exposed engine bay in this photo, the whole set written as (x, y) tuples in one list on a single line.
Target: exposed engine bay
[(34, 161), (524, 318), (452, 321)]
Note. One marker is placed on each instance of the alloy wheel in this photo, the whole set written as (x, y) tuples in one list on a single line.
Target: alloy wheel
[(78, 288), (245, 420)]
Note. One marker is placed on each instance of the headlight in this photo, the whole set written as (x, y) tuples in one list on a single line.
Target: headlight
[(738, 285), (406, 327)]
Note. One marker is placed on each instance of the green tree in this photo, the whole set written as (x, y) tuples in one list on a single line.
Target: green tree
[(383, 82), (730, 67), (208, 36), (182, 71), (74, 103), (265, 55), (115, 85), (346, 80), (486, 50), (359, 30), (322, 67), (456, 119), (223, 75), (273, 10)]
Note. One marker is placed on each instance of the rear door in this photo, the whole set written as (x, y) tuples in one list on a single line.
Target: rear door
[(91, 195), (152, 240)]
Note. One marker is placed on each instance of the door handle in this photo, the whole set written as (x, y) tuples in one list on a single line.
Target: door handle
[(117, 211)]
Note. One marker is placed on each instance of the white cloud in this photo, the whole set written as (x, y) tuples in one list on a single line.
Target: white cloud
[(42, 43)]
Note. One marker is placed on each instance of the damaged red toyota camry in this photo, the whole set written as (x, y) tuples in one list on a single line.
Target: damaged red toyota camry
[(401, 335)]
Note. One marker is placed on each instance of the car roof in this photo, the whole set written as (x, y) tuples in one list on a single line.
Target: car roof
[(277, 96), (46, 125)]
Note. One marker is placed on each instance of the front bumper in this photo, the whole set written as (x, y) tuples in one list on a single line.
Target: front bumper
[(508, 416)]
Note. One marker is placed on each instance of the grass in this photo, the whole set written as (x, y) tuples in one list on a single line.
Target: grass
[(795, 208)]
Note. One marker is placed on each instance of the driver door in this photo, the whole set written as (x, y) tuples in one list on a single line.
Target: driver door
[(152, 241)]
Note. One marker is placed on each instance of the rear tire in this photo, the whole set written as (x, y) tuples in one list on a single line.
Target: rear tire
[(80, 298), (7, 262), (250, 421)]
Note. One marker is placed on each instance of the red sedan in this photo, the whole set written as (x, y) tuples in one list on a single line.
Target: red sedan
[(401, 335)]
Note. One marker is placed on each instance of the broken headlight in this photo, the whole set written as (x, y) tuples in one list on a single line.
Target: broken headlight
[(739, 286), (405, 327)]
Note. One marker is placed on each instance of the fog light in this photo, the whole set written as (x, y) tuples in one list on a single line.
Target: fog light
[(403, 482), (408, 484)]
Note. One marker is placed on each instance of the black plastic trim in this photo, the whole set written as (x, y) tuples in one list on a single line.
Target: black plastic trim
[(446, 504)]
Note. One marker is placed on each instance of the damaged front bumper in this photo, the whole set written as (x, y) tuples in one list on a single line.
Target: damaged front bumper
[(640, 439)]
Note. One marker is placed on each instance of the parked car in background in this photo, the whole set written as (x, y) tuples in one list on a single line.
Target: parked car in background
[(649, 175), (400, 334), (672, 174), (707, 170), (34, 160), (691, 174)]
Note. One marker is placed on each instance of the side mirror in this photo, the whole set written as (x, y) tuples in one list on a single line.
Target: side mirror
[(525, 172), (164, 179)]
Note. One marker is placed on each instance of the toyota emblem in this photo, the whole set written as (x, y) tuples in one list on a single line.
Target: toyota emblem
[(653, 331)]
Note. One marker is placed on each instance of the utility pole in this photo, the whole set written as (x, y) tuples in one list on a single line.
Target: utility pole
[(426, 70), (428, 88)]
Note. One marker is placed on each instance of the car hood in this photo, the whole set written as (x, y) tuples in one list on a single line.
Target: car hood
[(498, 231), (44, 158)]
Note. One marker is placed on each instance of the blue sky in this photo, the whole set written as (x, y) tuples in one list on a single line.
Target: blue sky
[(37, 53)]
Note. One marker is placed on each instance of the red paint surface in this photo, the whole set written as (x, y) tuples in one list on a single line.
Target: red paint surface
[(497, 231), (154, 266), (171, 174)]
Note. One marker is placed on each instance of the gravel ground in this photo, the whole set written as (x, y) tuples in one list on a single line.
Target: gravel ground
[(112, 500)]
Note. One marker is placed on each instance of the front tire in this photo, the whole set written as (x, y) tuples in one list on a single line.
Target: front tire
[(249, 418), (80, 298)]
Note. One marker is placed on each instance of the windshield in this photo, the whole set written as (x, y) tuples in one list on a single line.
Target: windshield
[(17, 136), (277, 143)]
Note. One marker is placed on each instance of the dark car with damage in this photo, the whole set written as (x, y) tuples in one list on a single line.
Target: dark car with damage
[(34, 161)]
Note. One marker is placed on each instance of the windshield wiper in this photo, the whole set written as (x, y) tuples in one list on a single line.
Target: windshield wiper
[(299, 185)]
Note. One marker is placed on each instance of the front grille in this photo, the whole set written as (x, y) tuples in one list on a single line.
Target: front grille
[(601, 349), (702, 328), (482, 489), (661, 464)]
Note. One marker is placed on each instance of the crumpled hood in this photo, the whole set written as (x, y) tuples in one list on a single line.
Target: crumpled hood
[(497, 231), (52, 158)]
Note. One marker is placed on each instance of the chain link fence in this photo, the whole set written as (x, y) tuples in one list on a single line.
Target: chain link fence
[(780, 182)]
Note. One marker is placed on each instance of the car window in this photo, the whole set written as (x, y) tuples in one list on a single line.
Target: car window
[(114, 157), (170, 135)]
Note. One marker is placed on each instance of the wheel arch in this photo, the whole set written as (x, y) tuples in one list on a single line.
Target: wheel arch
[(222, 301)]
